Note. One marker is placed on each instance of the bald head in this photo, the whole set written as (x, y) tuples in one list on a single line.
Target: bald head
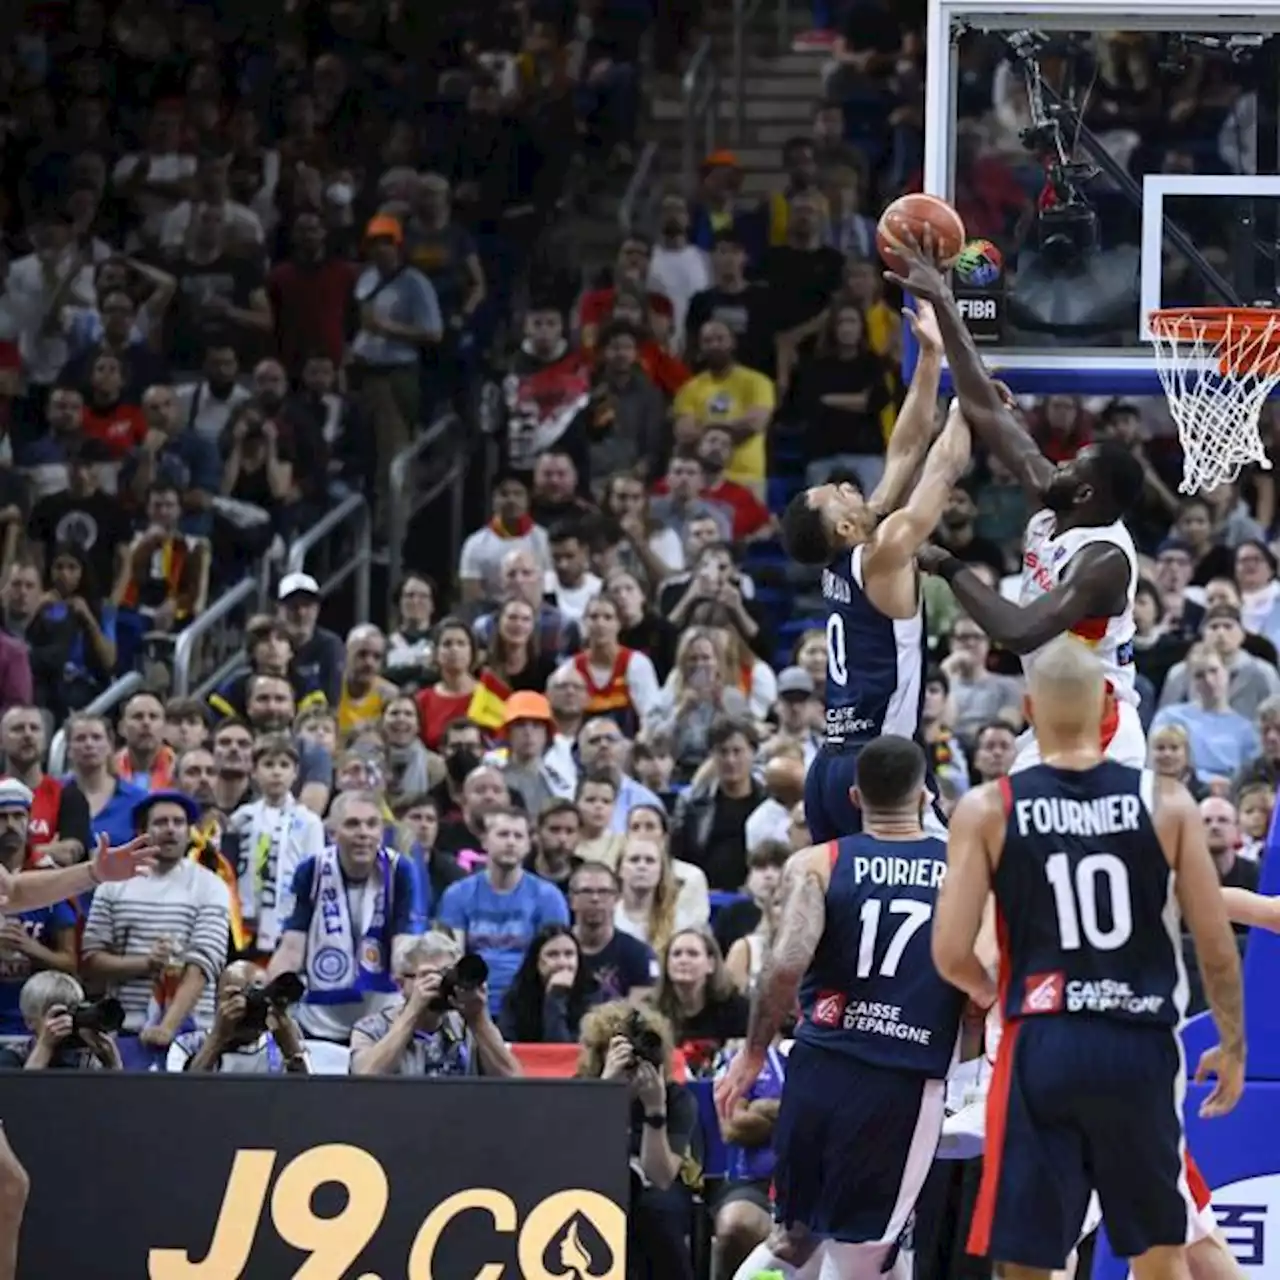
[(1066, 689)]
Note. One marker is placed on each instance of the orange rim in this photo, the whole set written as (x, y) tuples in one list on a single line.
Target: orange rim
[(1238, 334)]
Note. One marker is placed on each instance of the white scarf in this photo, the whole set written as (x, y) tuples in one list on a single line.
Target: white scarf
[(262, 834), (348, 957)]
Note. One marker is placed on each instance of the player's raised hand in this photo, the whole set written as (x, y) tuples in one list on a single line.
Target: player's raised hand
[(924, 325), (124, 861), (924, 278), (1228, 1071)]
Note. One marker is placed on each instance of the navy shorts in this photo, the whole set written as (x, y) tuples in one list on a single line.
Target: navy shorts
[(829, 812), (1075, 1105), (854, 1144)]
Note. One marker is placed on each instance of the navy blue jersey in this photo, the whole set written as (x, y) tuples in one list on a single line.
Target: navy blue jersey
[(872, 991), (1088, 920), (875, 664)]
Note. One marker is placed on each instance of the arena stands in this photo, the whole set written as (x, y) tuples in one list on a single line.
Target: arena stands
[(345, 536)]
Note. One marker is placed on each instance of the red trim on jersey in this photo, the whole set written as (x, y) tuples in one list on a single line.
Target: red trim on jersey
[(1091, 630), (1110, 719), (1200, 1192), (984, 1208), (1006, 795), (833, 852)]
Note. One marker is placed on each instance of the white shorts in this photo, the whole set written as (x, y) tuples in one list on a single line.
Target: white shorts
[(1123, 740)]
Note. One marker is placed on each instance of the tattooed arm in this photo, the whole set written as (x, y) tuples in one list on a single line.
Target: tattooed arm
[(804, 913), (1196, 883)]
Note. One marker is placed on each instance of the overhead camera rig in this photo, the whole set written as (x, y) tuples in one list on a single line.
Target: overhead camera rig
[(1068, 224)]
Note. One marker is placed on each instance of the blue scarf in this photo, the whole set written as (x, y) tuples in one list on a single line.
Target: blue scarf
[(346, 958)]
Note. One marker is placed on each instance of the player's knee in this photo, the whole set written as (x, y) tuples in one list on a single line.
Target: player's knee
[(1211, 1259), (1164, 1262), (740, 1226)]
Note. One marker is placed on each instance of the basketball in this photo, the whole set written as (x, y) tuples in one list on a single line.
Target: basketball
[(910, 215)]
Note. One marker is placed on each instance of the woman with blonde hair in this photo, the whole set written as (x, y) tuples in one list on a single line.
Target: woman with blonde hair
[(647, 904), (747, 955), (695, 992), (650, 823), (1169, 755), (702, 685), (631, 1044)]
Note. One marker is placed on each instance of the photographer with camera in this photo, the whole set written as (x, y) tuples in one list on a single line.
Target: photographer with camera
[(252, 1033), (622, 1042), (442, 1027), (68, 1033)]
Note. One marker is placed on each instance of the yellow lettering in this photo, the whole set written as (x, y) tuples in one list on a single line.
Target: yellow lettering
[(233, 1233), (556, 1219), (333, 1243), (497, 1204)]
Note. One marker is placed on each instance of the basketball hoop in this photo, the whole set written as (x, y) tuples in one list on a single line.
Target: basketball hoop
[(1218, 366)]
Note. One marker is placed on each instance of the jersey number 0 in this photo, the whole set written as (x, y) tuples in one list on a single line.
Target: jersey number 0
[(837, 653), (1076, 900)]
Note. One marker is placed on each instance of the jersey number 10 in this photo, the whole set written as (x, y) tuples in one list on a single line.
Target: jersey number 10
[(1076, 900)]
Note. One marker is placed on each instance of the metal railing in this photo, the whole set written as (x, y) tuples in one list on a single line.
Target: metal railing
[(346, 531), (700, 93), (744, 13), (637, 200), (214, 640), (407, 499), (106, 702)]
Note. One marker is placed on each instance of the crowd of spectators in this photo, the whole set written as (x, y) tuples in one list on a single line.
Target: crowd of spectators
[(250, 255)]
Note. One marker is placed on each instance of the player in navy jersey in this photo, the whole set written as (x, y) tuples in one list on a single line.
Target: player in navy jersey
[(863, 1102), (1089, 861), (875, 620)]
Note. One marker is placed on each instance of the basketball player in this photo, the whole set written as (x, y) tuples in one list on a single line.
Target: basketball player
[(875, 627), (26, 891), (1079, 564), (1085, 857), (863, 1102)]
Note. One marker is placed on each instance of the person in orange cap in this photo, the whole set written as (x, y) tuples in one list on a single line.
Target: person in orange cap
[(529, 729), (399, 320), (716, 208)]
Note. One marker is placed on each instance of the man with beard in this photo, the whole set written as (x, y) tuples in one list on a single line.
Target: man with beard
[(318, 654), (206, 406), (270, 708), (196, 775), (677, 269), (160, 941), (301, 435), (483, 791), (1079, 564), (58, 822), (232, 758)]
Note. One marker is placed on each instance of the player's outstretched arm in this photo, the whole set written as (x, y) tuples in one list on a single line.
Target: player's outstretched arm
[(1095, 587), (962, 904), (1181, 833), (1254, 909), (984, 402), (902, 534), (913, 429)]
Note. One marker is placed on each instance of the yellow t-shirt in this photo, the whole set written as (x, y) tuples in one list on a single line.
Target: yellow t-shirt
[(883, 323), (354, 712), (708, 399)]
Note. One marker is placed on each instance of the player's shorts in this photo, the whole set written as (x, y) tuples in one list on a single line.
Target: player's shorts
[(1203, 1222), (829, 812), (1078, 1104), (854, 1144), (1123, 739)]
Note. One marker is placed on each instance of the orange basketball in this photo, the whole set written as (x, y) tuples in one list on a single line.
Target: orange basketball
[(911, 215)]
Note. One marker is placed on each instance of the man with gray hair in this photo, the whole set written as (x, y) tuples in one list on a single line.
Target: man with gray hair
[(353, 903), (429, 1033), (523, 579), (47, 1002)]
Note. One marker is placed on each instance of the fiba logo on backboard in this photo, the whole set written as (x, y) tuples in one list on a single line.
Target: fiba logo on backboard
[(1043, 993)]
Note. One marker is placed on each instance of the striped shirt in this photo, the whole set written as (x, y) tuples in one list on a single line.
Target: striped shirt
[(188, 905)]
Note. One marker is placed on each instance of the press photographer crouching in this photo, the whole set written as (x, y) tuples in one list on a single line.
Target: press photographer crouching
[(253, 1033), (633, 1045), (68, 1032), (442, 1025)]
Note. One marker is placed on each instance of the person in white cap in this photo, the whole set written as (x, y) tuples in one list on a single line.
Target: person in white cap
[(318, 654), (27, 891)]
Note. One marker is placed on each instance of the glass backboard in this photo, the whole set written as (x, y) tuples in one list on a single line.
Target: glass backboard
[(1102, 173)]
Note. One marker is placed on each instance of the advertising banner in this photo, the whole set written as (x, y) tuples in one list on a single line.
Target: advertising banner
[(324, 1178)]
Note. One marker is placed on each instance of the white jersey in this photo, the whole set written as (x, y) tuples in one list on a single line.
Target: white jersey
[(1044, 560)]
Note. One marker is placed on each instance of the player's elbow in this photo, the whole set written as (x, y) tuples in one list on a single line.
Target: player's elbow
[(949, 954)]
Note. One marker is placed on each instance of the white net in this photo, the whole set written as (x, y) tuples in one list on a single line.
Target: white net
[(1217, 371)]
